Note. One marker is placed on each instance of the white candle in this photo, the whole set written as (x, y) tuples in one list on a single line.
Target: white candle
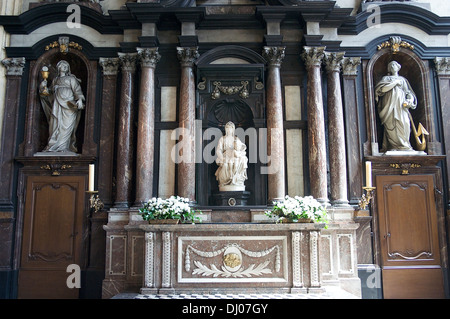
[(91, 177), (368, 174)]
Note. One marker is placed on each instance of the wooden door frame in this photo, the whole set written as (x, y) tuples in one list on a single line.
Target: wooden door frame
[(425, 165), (48, 166)]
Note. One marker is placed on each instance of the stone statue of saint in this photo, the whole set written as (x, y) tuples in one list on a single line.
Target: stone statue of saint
[(62, 103), (232, 161), (394, 97)]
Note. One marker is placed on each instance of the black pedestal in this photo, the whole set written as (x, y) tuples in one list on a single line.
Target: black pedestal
[(236, 198)]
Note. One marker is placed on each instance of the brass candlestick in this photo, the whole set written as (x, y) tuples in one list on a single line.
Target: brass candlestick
[(367, 197), (95, 202)]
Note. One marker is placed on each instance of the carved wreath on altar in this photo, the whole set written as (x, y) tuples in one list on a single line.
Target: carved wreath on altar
[(232, 262)]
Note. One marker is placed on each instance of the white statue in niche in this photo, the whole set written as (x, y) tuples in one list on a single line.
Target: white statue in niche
[(62, 103), (232, 161), (395, 97)]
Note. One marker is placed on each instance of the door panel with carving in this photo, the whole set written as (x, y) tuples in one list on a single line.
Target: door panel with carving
[(409, 241), (53, 225)]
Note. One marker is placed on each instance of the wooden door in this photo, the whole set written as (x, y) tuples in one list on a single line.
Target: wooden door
[(408, 232), (52, 236)]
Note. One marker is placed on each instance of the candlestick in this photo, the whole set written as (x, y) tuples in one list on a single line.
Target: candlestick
[(368, 174), (91, 177)]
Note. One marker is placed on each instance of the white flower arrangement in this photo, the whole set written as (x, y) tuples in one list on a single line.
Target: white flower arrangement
[(298, 208), (174, 207)]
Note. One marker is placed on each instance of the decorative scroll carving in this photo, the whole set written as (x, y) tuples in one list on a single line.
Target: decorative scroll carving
[(396, 255), (313, 56), (230, 90), (274, 55), (333, 61), (297, 281), (128, 61), (110, 65), (149, 260), (442, 65), (64, 45), (187, 56), (166, 264), (395, 43), (405, 167), (56, 168)]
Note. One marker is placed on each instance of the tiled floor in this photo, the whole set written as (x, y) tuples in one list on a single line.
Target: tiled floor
[(331, 293)]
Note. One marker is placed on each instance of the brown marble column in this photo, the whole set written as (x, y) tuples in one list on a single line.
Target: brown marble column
[(354, 153), (106, 152), (14, 70), (145, 150), (125, 135), (442, 66), (275, 131), (186, 123), (336, 132), (316, 124)]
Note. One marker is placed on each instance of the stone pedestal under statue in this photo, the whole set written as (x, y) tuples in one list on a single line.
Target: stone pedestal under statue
[(231, 198)]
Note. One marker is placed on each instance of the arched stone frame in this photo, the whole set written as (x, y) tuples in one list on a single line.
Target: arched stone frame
[(417, 72), (232, 63), (35, 123)]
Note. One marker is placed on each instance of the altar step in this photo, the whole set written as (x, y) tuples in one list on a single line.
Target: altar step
[(331, 293)]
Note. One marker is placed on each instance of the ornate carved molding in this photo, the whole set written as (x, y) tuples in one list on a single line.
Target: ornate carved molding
[(64, 44), (14, 66), (405, 167), (110, 65), (395, 43), (149, 281), (274, 55), (333, 61), (297, 276), (229, 90), (56, 168), (313, 56), (442, 65), (187, 55), (148, 57), (128, 61), (166, 259), (350, 65)]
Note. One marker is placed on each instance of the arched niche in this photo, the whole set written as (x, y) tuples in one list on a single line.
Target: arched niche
[(36, 126), (416, 71), (230, 87)]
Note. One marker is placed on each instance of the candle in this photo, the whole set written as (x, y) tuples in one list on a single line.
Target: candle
[(368, 174), (91, 177)]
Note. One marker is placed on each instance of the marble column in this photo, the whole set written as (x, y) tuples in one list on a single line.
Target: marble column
[(125, 135), (14, 72), (354, 153), (336, 132), (145, 150), (313, 57), (106, 152), (186, 123), (275, 131), (442, 66)]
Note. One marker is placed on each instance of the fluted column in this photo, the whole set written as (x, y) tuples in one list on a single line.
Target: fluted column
[(106, 152), (316, 124), (275, 131), (186, 123), (145, 151), (125, 135), (336, 131)]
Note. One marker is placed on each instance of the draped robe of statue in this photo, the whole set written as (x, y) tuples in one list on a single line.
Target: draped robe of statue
[(395, 96), (63, 109), (232, 161)]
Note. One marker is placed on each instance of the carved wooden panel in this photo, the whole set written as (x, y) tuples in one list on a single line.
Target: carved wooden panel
[(52, 235), (409, 236)]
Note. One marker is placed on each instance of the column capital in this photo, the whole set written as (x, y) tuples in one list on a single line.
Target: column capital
[(14, 66), (110, 65), (313, 56), (187, 55), (333, 61), (148, 57), (350, 65), (274, 55), (442, 65), (128, 61)]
